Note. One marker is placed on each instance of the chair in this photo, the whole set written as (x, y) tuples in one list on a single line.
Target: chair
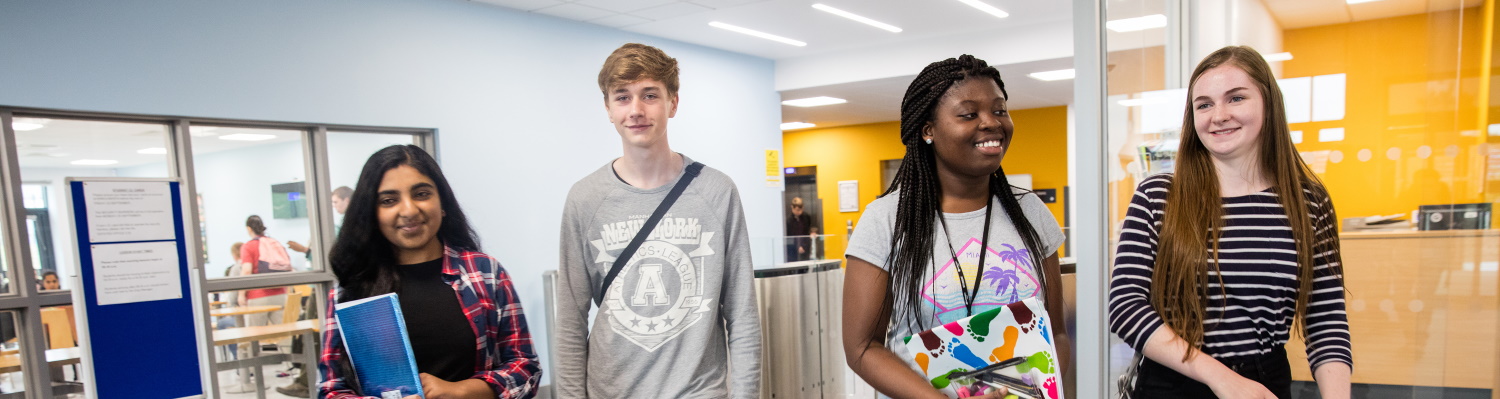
[(61, 333), (59, 326), (293, 309)]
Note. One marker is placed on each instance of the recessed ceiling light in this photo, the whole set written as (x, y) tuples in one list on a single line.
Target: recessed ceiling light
[(756, 33), (247, 137), (1048, 76), (1138, 23), (95, 162), (814, 101), (1136, 102), (28, 124), (152, 151), (1361, 1), (857, 18), (796, 125), (1277, 57), (202, 131), (982, 6)]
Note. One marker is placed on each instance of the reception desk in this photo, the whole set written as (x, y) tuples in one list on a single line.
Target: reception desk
[(1422, 308)]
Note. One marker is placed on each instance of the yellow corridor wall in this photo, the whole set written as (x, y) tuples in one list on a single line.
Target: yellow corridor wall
[(1413, 124), (1040, 148)]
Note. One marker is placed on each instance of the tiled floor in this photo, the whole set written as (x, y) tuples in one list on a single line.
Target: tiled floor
[(229, 389)]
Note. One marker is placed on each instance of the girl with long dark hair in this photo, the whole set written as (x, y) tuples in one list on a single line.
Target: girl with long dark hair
[(951, 238), (405, 233), (1233, 252)]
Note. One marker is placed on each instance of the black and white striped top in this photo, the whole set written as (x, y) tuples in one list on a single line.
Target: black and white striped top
[(1258, 263)]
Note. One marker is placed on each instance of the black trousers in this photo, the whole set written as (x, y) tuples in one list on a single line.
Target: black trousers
[(1154, 380)]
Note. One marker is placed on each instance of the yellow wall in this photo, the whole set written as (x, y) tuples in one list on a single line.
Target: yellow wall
[(1406, 88), (854, 153)]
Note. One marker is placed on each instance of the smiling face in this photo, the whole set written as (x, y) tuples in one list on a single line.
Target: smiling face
[(410, 214), (1228, 113), (640, 111), (970, 128)]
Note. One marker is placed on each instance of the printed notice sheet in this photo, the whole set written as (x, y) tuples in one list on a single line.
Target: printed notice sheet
[(129, 211), (136, 272)]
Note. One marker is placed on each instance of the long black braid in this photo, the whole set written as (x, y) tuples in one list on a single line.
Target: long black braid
[(921, 194)]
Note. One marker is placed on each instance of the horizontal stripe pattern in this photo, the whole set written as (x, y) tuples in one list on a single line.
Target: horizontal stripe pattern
[(1258, 263)]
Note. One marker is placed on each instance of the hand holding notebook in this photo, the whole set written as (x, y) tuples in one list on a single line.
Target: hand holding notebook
[(375, 339)]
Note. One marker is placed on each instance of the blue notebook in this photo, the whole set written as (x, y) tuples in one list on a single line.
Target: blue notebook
[(375, 338)]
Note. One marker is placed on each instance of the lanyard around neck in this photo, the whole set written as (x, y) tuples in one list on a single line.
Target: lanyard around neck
[(963, 282)]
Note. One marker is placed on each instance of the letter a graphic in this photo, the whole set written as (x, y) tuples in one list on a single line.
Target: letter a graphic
[(649, 283)]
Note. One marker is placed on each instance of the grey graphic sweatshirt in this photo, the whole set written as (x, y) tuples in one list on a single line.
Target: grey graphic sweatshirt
[(680, 319)]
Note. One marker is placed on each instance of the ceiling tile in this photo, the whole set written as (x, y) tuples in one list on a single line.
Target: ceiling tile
[(722, 4), (1302, 14), (527, 5), (670, 11), (624, 5), (619, 20), (574, 11), (1386, 9)]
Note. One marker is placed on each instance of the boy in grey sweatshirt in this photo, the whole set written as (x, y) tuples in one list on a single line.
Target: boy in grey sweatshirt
[(680, 319)]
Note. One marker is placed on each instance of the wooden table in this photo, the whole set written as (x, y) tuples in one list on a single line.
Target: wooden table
[(252, 336), (11, 363), (243, 310)]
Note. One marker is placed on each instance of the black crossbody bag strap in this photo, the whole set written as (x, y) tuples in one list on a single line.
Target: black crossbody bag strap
[(640, 237)]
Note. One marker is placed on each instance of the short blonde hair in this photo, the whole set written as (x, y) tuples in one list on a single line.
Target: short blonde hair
[(634, 62)]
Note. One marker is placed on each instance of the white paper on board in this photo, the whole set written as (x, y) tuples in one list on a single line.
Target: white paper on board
[(129, 211), (849, 196), (136, 272)]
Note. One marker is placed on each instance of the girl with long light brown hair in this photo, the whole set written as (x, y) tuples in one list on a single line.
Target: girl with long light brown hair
[(1233, 252)]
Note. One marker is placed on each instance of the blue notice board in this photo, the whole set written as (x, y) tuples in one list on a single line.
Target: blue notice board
[(137, 323)]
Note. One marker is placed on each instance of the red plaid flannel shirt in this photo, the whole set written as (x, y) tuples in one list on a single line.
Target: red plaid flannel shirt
[(505, 360)]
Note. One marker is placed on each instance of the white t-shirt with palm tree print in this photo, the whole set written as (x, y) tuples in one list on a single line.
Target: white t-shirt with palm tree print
[(1008, 274)]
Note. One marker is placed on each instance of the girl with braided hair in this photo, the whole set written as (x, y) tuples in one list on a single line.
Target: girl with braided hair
[(951, 238)]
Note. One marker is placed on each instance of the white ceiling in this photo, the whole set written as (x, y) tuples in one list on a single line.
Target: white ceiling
[(926, 24), (1295, 14), (879, 100), (61, 141), (687, 20)]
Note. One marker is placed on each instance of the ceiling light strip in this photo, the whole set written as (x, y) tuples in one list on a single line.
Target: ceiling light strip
[(982, 6), (1048, 76), (814, 101), (796, 125), (1275, 57), (1137, 24), (756, 33), (856, 18)]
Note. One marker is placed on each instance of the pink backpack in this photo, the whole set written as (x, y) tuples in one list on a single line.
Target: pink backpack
[(273, 258)]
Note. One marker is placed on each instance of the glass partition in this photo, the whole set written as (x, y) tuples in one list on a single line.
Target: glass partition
[(50, 150), (12, 375), (252, 195)]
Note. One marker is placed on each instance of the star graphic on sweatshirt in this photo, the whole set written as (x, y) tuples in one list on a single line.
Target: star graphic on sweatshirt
[(669, 321), (635, 322), (651, 326)]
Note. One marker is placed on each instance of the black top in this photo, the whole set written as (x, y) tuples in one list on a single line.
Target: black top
[(799, 225), (441, 337)]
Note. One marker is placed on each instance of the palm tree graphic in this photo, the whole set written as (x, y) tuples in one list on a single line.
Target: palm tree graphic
[(1009, 279)]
